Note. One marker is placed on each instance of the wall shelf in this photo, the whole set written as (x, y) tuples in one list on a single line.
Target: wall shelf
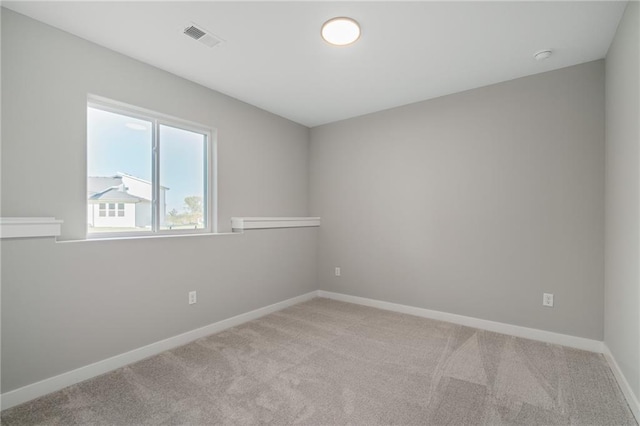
[(239, 224), (29, 227)]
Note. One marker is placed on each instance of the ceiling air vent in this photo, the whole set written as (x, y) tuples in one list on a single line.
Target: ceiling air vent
[(205, 37)]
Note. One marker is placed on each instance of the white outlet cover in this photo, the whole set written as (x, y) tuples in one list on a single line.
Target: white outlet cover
[(547, 299)]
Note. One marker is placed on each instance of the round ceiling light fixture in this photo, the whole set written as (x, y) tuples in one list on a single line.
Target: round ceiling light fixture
[(340, 31)]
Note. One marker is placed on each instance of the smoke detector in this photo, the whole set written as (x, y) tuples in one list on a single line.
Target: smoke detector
[(542, 54), (197, 32)]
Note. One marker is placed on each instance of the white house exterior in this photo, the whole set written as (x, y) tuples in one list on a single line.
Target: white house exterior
[(121, 202)]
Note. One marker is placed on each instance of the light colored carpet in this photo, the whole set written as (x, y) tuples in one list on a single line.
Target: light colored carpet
[(327, 362)]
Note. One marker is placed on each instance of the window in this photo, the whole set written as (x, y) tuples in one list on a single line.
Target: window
[(147, 173), (110, 210)]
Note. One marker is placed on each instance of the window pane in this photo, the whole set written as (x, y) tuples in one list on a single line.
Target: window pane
[(102, 213), (182, 179), (119, 170)]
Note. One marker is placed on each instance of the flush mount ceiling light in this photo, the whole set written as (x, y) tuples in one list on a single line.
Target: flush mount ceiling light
[(340, 31)]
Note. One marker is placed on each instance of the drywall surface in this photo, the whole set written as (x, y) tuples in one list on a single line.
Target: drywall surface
[(65, 305), (622, 261), (46, 76), (473, 204)]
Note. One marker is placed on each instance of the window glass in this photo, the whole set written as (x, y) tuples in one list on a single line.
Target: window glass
[(146, 172), (183, 170)]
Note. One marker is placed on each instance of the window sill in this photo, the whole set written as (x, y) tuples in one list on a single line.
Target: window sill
[(147, 237), (38, 227)]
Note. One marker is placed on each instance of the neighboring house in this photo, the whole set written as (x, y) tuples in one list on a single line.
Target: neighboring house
[(121, 201)]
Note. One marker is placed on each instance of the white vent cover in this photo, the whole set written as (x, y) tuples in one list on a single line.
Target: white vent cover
[(205, 37)]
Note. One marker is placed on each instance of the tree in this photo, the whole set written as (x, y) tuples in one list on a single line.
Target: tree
[(174, 217), (194, 208), (193, 204), (191, 214)]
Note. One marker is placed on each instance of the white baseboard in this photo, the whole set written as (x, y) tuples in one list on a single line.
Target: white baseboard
[(498, 327), (632, 399), (43, 387), (35, 390), (509, 329), (512, 330)]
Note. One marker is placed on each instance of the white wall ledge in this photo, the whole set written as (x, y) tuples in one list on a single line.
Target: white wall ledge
[(239, 224), (146, 237), (29, 227)]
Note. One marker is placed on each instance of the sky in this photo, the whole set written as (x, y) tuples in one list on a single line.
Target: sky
[(118, 143)]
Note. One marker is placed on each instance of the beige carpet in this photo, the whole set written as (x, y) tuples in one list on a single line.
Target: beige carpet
[(327, 362)]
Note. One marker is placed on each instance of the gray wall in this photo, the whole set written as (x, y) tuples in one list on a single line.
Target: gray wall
[(65, 305), (263, 158), (473, 204), (622, 283)]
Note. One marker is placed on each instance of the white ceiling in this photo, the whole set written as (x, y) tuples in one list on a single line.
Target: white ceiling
[(274, 57)]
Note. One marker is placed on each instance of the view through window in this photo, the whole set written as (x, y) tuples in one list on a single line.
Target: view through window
[(145, 174)]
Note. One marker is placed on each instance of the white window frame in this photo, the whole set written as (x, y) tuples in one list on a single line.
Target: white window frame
[(210, 180)]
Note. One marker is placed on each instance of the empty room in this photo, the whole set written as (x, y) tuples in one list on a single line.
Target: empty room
[(320, 213)]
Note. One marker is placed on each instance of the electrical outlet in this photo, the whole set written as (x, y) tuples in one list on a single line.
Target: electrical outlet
[(192, 297), (547, 299), (337, 271)]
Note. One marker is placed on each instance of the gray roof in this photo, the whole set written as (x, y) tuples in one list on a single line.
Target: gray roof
[(109, 189), (97, 184), (114, 195), (121, 174)]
